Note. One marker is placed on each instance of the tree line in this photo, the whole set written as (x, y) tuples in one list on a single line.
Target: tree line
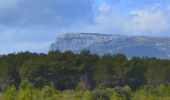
[(70, 71)]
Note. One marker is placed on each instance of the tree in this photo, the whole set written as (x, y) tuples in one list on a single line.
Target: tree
[(104, 70)]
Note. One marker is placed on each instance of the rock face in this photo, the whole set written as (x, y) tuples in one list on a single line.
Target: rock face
[(105, 43)]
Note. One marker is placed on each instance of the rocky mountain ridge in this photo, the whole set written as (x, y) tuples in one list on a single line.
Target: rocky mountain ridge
[(108, 43)]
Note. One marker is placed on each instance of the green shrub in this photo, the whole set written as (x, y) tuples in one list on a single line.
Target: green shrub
[(10, 94)]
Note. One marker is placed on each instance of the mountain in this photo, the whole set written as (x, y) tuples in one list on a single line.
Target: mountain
[(107, 43)]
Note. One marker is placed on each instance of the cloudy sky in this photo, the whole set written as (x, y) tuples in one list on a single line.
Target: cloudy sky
[(34, 24)]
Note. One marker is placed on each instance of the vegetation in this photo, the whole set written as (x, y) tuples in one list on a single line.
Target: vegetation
[(84, 76)]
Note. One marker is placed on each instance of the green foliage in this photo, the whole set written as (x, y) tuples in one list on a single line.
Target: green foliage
[(28, 76), (116, 96), (155, 93), (48, 92), (10, 94)]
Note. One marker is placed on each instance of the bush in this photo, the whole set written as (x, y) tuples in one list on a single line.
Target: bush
[(10, 94)]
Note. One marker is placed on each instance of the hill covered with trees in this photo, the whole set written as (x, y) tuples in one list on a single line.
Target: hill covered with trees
[(85, 76)]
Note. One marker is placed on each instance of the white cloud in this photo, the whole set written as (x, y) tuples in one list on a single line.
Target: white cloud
[(103, 8), (149, 20), (107, 19), (30, 24)]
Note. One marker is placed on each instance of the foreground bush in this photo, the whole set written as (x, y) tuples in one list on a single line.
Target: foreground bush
[(159, 93), (27, 91)]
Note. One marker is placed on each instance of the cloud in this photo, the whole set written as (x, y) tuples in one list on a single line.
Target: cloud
[(47, 12), (148, 21), (33, 24), (107, 19), (152, 20)]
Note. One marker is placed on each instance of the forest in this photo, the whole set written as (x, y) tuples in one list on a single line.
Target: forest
[(84, 76)]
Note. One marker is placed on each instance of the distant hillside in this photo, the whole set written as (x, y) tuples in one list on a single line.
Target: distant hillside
[(106, 43)]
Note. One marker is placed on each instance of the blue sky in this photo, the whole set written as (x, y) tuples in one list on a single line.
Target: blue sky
[(34, 24)]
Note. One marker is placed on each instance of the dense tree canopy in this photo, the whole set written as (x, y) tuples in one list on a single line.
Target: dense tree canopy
[(66, 70)]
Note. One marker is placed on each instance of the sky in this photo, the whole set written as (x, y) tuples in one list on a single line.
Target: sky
[(34, 24)]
